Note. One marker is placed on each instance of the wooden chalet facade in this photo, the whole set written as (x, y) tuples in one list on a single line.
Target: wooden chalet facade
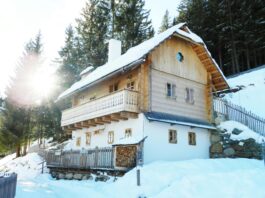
[(155, 101)]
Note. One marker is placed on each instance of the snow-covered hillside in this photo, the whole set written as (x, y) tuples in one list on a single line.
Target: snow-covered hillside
[(252, 96), (237, 178), (245, 132)]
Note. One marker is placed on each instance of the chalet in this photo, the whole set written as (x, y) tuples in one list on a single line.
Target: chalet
[(153, 102)]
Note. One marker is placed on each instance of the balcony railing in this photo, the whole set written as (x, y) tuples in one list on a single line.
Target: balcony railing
[(124, 100)]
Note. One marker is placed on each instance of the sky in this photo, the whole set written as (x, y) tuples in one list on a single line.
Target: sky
[(22, 20)]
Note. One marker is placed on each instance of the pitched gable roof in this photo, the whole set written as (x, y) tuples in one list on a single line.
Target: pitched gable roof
[(136, 55)]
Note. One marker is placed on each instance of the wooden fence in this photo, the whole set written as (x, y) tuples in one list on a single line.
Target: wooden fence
[(82, 159), (8, 185), (239, 114)]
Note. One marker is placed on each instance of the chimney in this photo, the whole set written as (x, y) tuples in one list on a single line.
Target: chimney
[(114, 49)]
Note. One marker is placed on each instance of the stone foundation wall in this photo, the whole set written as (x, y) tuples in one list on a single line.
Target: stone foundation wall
[(222, 146), (84, 175)]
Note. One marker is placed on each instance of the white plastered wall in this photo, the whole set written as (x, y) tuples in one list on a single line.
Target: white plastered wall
[(157, 146), (101, 139)]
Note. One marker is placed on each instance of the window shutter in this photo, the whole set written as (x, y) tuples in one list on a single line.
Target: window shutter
[(192, 96), (168, 90), (187, 95), (174, 90)]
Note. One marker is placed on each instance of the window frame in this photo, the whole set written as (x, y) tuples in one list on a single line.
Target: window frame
[(180, 57), (78, 141), (190, 96), (114, 87), (172, 136), (128, 132), (131, 85), (88, 138), (110, 137), (171, 90), (192, 138)]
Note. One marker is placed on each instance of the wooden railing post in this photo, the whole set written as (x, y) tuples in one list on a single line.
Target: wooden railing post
[(96, 157)]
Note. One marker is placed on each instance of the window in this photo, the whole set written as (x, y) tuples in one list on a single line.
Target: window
[(192, 138), (172, 136), (114, 87), (130, 85), (111, 137), (180, 57), (88, 138), (190, 95), (93, 97), (171, 90), (78, 141), (128, 133), (81, 99), (96, 132)]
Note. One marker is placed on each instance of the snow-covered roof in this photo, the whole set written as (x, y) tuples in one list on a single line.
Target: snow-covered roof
[(132, 55), (88, 69), (176, 119), (130, 141)]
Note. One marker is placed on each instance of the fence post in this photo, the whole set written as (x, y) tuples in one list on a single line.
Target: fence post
[(42, 167), (263, 151), (96, 157)]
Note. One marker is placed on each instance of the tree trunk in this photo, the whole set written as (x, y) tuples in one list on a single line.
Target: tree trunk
[(112, 18), (255, 58), (18, 151), (25, 148), (247, 56), (233, 45), (220, 57)]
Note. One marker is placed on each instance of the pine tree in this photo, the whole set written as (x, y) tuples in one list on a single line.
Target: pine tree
[(70, 59), (20, 98), (165, 22), (26, 69), (93, 30), (132, 23), (232, 31)]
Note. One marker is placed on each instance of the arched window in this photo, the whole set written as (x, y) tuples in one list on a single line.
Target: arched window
[(180, 57)]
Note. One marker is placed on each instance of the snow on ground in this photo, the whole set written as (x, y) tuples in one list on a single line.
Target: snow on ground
[(235, 178), (246, 133), (26, 167), (252, 97)]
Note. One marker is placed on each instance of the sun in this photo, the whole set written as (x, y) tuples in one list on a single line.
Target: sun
[(43, 83)]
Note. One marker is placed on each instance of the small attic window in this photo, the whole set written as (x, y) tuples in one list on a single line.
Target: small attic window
[(179, 57)]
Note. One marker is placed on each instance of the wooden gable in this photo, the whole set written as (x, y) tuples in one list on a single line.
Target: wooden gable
[(218, 78)]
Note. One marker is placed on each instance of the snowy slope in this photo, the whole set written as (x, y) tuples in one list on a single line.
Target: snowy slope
[(252, 97), (26, 167), (235, 178), (245, 134)]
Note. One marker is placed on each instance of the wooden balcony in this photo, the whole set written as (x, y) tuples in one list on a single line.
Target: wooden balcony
[(96, 111)]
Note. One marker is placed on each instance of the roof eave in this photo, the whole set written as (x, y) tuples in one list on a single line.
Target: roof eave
[(124, 68)]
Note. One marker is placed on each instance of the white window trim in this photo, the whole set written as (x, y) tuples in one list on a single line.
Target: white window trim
[(189, 95), (175, 140), (173, 88)]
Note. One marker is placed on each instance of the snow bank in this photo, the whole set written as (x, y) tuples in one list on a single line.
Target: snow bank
[(194, 178), (252, 96), (26, 167), (237, 178), (246, 133)]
